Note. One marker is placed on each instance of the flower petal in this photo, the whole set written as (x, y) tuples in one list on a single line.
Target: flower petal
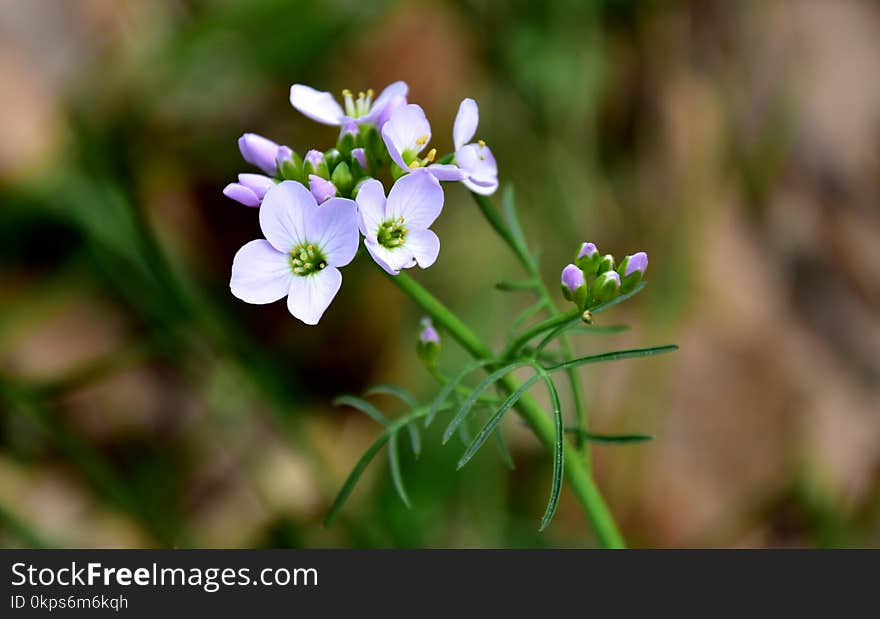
[(446, 172), (395, 92), (424, 245), (392, 260), (416, 197), (259, 151), (260, 273), (310, 296), (408, 129), (243, 195), (371, 207), (466, 122), (286, 208), (319, 106), (334, 228), (257, 183), (480, 168)]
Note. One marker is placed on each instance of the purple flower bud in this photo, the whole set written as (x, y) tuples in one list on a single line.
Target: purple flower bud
[(242, 194), (350, 127), (258, 151), (315, 158), (321, 188), (429, 334), (257, 183), (573, 278), (636, 262), (587, 250), (283, 154), (360, 156)]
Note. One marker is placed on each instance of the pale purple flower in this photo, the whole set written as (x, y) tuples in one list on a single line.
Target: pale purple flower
[(573, 278), (588, 250), (321, 188), (304, 245), (636, 262), (250, 189), (323, 108), (406, 134), (396, 230), (428, 332), (259, 151), (475, 160), (360, 156)]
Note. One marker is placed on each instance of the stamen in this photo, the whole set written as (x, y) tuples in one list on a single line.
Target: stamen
[(481, 143), (349, 103), (431, 154), (414, 165), (422, 140)]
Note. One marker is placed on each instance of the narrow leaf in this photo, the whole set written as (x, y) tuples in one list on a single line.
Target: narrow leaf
[(508, 206), (353, 478), (415, 438), (610, 438), (393, 390), (558, 452), (599, 329), (363, 406), (394, 462), (515, 286), (556, 333), (450, 386), (526, 315), (475, 394), (503, 451), (613, 356), (493, 422)]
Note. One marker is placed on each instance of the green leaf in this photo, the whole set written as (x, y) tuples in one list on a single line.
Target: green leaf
[(526, 315), (493, 422), (475, 394), (508, 206), (610, 438), (612, 356), (394, 462), (503, 451), (393, 390), (599, 329), (507, 285), (353, 478), (558, 451), (556, 333), (604, 306), (450, 386), (415, 438), (363, 406)]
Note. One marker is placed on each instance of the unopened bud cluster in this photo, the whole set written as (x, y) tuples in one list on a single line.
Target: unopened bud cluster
[(594, 278)]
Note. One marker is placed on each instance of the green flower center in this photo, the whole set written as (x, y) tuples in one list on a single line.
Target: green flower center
[(391, 233), (306, 259)]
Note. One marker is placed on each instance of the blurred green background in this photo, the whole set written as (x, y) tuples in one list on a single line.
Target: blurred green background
[(738, 143)]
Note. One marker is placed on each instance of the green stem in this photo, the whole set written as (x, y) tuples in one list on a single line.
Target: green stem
[(531, 266), (579, 478), (537, 329)]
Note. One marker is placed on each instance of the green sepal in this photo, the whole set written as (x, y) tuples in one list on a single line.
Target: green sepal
[(342, 178)]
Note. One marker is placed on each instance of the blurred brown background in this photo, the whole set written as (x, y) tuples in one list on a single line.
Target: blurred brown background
[(737, 143)]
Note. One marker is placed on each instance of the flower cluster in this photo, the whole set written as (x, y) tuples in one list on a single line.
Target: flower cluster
[(314, 207), (593, 278)]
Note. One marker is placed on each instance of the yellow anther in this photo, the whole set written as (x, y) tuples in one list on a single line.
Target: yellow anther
[(481, 143), (361, 95), (322, 265), (346, 93), (431, 154), (414, 165), (370, 93), (422, 140)]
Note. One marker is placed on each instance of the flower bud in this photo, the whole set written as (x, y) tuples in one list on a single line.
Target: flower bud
[(241, 194), (347, 141), (606, 263), (359, 156), (428, 345), (313, 163), (290, 164), (574, 286), (606, 286), (587, 259), (259, 151), (257, 183), (332, 157), (342, 178), (632, 270), (321, 188)]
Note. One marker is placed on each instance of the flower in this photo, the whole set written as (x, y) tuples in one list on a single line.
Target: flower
[(588, 258), (299, 258), (574, 285), (428, 334), (396, 230), (632, 270), (475, 160), (406, 134), (323, 108), (250, 189), (606, 286), (321, 188), (259, 151), (428, 346)]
